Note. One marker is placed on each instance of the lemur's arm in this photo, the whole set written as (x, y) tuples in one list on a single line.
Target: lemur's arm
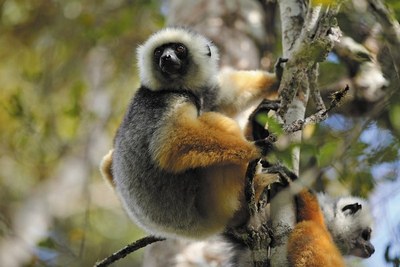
[(189, 141), (239, 89), (310, 244)]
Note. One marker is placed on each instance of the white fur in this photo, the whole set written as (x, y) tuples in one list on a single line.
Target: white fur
[(202, 74), (344, 227), (215, 252)]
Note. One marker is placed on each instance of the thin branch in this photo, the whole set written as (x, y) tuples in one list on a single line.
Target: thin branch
[(337, 98), (315, 92), (321, 115), (128, 249)]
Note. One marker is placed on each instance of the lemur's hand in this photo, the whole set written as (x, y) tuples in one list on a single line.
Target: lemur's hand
[(286, 176), (259, 131)]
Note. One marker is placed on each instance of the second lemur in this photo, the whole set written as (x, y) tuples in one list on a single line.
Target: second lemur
[(179, 157), (328, 228)]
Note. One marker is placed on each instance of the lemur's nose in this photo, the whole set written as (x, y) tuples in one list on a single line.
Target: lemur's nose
[(168, 55)]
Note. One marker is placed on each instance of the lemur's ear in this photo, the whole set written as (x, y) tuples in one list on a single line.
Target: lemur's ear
[(353, 208), (209, 51)]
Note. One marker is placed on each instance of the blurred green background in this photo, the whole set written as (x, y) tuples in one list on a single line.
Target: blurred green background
[(67, 72)]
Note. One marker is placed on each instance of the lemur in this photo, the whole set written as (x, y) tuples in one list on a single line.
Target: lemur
[(179, 157)]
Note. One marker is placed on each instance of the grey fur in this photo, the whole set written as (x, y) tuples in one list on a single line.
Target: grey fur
[(147, 195)]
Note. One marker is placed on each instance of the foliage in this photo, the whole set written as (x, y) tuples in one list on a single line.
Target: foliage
[(49, 111)]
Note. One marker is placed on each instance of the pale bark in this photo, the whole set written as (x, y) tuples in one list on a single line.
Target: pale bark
[(308, 35)]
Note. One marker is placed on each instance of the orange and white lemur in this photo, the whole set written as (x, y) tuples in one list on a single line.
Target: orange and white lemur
[(179, 157), (328, 228)]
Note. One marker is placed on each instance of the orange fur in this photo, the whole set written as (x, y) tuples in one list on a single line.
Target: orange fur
[(190, 142), (310, 244), (223, 192), (222, 189), (215, 144), (261, 181), (242, 88), (308, 208), (256, 82), (105, 168)]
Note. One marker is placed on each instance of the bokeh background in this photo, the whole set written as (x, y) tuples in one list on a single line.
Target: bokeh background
[(67, 72)]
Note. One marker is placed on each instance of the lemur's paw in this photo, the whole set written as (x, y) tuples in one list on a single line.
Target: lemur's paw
[(259, 131), (285, 175)]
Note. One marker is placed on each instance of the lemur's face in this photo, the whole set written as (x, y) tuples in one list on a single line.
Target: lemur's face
[(171, 60), (363, 247), (360, 242)]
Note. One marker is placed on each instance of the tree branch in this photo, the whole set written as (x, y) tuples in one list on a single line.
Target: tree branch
[(127, 250), (319, 116), (311, 41)]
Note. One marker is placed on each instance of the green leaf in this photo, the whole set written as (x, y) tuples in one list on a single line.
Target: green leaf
[(270, 123), (327, 153)]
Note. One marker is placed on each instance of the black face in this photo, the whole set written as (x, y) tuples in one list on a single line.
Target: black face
[(363, 247), (171, 60)]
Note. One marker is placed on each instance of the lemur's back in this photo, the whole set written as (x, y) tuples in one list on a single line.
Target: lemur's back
[(133, 166)]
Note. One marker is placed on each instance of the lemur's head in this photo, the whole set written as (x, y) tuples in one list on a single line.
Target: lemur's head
[(177, 58), (350, 223)]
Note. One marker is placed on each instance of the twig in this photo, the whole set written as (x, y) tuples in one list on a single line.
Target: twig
[(321, 115), (395, 260), (315, 93), (128, 249), (337, 97)]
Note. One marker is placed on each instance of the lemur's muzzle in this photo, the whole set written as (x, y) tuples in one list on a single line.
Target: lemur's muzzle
[(169, 62)]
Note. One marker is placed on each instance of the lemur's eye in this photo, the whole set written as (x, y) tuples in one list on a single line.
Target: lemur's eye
[(180, 49), (157, 52), (366, 234)]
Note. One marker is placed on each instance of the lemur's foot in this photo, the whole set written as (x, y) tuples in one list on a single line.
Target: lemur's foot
[(285, 175), (266, 105)]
